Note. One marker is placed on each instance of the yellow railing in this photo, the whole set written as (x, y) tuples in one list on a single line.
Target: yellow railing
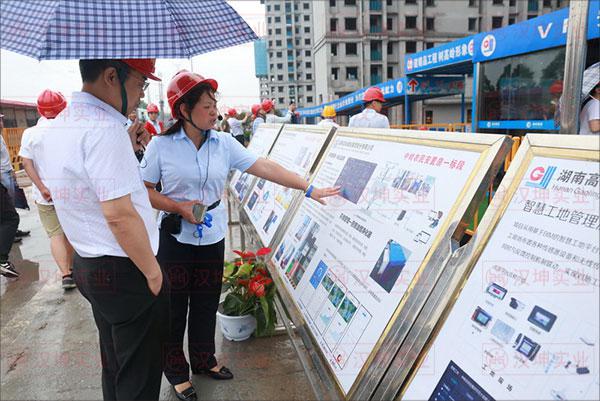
[(12, 137), (451, 127)]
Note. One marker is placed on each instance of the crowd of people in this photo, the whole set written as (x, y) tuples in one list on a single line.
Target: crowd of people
[(96, 170)]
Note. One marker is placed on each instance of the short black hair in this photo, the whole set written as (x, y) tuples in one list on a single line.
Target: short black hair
[(91, 69)]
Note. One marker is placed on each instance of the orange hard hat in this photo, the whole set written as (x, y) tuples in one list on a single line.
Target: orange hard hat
[(152, 108), (232, 112), (255, 109), (144, 66), (50, 103), (267, 105), (373, 93), (183, 82)]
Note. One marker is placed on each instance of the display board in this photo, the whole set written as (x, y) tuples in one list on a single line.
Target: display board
[(260, 145), (349, 264), (526, 324), (296, 149)]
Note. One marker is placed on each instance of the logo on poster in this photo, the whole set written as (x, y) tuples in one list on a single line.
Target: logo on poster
[(540, 177), (488, 45)]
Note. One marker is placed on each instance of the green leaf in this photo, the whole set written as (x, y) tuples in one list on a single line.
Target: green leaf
[(228, 270), (244, 270)]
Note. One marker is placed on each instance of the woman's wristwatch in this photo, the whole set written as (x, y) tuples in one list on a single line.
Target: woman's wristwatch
[(309, 191)]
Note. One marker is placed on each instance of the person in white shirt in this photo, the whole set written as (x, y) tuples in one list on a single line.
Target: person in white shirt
[(589, 118), (328, 115), (370, 117), (259, 117), (236, 125), (269, 107), (49, 105), (89, 167)]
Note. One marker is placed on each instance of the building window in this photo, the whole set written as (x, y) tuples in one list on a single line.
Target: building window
[(309, 99), (390, 72), (352, 73), (389, 24), (307, 53), (331, 3), (306, 29), (558, 3), (497, 2), (410, 22), (306, 6), (428, 116), (472, 3), (429, 45), (276, 7), (268, 8), (270, 43), (390, 48), (270, 32), (277, 31), (308, 64), (297, 41), (496, 22), (307, 41), (472, 24), (351, 49), (411, 46), (430, 23), (411, 1), (281, 100), (269, 20), (511, 20), (333, 24), (349, 2), (296, 18), (280, 89), (280, 78), (429, 3), (334, 49), (279, 66), (277, 19), (334, 73), (350, 24), (512, 3), (307, 18), (309, 87), (278, 43), (308, 77)]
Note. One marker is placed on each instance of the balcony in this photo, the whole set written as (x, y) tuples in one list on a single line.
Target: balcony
[(375, 5), (376, 55)]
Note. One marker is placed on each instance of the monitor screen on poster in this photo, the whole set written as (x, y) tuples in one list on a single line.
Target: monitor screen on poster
[(526, 324), (347, 265), (261, 143), (296, 149)]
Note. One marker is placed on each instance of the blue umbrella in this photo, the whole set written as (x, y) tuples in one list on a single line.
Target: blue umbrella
[(102, 29)]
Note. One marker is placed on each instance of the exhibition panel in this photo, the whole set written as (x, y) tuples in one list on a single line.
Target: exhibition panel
[(355, 270), (297, 149), (516, 316)]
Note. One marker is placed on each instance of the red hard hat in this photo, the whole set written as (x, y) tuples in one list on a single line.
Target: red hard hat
[(255, 109), (152, 108), (557, 87), (373, 93), (267, 105), (232, 112), (50, 103), (144, 66), (183, 82)]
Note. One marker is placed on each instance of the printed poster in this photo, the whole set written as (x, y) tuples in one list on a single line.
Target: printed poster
[(525, 326), (348, 264), (260, 145), (296, 150)]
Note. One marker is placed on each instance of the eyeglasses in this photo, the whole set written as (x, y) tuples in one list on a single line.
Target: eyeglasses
[(144, 85)]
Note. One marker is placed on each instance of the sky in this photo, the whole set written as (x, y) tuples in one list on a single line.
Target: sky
[(23, 78)]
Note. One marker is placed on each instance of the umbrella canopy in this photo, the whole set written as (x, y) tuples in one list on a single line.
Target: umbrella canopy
[(113, 29), (591, 77)]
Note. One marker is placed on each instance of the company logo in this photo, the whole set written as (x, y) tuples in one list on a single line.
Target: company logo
[(528, 124), (540, 177), (489, 124), (409, 64), (471, 47), (399, 87), (488, 45)]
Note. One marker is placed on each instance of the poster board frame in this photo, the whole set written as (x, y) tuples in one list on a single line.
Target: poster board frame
[(456, 272), (492, 149), (246, 223)]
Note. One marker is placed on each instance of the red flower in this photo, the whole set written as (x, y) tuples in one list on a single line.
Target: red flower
[(257, 288), (239, 253), (248, 255), (263, 251), (239, 263), (243, 282), (262, 272)]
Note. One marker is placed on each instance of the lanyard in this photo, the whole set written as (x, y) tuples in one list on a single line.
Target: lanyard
[(199, 227)]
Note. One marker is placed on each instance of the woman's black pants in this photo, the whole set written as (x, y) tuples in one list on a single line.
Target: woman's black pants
[(195, 275)]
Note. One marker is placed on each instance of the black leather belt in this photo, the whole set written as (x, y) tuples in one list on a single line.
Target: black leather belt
[(214, 205)]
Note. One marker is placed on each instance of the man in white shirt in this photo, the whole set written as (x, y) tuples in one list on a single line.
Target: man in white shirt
[(236, 125), (269, 107), (370, 117), (589, 118), (259, 117), (328, 115), (49, 105), (86, 159)]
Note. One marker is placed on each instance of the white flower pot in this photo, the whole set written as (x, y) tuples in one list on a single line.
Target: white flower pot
[(237, 328)]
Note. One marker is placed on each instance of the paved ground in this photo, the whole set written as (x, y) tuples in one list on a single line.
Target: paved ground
[(50, 350)]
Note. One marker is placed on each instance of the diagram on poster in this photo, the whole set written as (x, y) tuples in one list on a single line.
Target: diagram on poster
[(261, 143), (296, 149), (525, 325), (348, 264)]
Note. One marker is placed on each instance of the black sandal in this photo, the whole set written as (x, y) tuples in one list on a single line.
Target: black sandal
[(223, 373), (189, 394)]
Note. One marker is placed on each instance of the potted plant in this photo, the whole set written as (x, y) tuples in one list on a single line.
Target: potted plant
[(248, 305)]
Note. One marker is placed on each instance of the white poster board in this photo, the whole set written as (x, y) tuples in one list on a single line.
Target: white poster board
[(296, 149), (261, 143), (526, 323), (348, 265)]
